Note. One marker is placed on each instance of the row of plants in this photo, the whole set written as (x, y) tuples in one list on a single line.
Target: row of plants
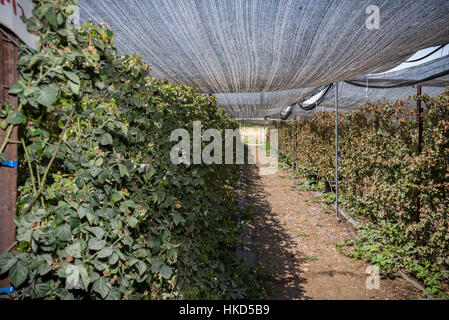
[(381, 178), (102, 211)]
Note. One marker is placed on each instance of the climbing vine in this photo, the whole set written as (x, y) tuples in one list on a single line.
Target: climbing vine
[(102, 211)]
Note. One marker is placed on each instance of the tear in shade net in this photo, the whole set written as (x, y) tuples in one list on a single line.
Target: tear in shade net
[(269, 45)]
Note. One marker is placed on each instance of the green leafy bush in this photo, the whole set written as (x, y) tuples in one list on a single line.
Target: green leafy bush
[(102, 211), (382, 175)]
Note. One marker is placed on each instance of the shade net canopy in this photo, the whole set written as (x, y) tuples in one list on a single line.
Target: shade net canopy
[(242, 46), (259, 101), (351, 97), (258, 114), (388, 86), (437, 71)]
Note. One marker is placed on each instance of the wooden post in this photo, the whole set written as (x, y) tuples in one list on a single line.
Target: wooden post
[(8, 175)]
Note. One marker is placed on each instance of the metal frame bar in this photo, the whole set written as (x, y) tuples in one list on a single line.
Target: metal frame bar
[(336, 151), (293, 139), (419, 122)]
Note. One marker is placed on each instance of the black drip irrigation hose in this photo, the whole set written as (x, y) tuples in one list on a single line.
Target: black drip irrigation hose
[(403, 84), (427, 55), (318, 102), (284, 114)]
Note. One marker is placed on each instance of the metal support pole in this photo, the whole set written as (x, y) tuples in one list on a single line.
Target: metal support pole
[(419, 110), (293, 138), (279, 121), (336, 151)]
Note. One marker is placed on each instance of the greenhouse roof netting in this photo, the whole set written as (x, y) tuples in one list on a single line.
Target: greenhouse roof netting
[(350, 97), (256, 101), (269, 45), (437, 71), (358, 91), (258, 114)]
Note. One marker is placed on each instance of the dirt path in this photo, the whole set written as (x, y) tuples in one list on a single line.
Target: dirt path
[(294, 239)]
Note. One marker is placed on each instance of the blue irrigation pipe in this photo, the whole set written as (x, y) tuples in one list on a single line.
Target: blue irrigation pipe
[(7, 290)]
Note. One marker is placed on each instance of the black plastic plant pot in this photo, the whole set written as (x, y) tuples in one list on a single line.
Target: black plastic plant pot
[(329, 186), (312, 177)]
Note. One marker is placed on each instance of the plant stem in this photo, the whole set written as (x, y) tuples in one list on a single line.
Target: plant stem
[(47, 169), (33, 181), (12, 246), (8, 132), (39, 181)]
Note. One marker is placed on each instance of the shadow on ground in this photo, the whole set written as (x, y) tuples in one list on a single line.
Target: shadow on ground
[(278, 266)]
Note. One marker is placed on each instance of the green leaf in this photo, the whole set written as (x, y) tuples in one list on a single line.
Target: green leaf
[(156, 266), (98, 162), (15, 118), (96, 231), (29, 91), (63, 232), (113, 258), (106, 139), (50, 16), (40, 289), (7, 260), (132, 222), (100, 265), (24, 234), (44, 268), (123, 170), (81, 211), (73, 250), (3, 156), (116, 196), (16, 88), (18, 273), (90, 216), (102, 287), (177, 218), (72, 76), (141, 267), (114, 294), (105, 252), (75, 88), (71, 37), (95, 244), (48, 95), (95, 171), (128, 204), (77, 277), (166, 271)]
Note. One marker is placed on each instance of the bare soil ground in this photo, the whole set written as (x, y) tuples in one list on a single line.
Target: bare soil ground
[(294, 236)]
